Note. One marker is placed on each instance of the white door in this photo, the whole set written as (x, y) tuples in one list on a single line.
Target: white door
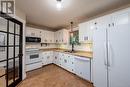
[(99, 54), (119, 51)]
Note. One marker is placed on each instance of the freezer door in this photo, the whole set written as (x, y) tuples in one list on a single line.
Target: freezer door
[(99, 58), (119, 51)]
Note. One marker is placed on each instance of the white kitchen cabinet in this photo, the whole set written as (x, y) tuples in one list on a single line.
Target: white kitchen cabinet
[(61, 36), (47, 57), (69, 63), (32, 32), (64, 61), (47, 36), (56, 59), (86, 31), (61, 60), (73, 64), (43, 36), (83, 32), (82, 67)]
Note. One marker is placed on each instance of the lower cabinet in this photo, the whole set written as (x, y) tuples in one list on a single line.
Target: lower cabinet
[(47, 57), (70, 63), (74, 64), (82, 67), (56, 58)]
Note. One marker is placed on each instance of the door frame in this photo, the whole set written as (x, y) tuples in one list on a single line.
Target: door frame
[(9, 18)]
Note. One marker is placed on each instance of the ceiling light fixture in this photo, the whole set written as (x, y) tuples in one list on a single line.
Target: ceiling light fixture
[(59, 4)]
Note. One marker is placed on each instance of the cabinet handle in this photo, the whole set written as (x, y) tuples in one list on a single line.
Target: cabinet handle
[(86, 38), (55, 57), (65, 61), (113, 24), (109, 25)]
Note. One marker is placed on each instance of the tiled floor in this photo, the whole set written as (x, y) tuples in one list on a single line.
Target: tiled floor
[(53, 76)]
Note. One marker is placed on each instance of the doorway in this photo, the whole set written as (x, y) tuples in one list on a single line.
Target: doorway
[(10, 51)]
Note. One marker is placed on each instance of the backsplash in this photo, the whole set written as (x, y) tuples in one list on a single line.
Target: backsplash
[(81, 47), (38, 45)]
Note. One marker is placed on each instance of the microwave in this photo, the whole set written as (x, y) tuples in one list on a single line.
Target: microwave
[(33, 39)]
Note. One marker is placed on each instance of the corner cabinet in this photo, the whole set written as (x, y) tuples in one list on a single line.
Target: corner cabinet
[(47, 36), (61, 36), (47, 57)]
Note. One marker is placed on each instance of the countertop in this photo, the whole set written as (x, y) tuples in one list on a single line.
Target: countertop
[(86, 54)]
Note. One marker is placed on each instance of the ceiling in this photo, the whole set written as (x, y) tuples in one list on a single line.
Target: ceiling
[(45, 13)]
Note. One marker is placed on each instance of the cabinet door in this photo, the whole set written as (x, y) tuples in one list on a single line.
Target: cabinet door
[(37, 32), (83, 32), (66, 61), (55, 58), (119, 50), (32, 32), (56, 38), (43, 58), (28, 32), (82, 67), (51, 37), (71, 64), (59, 36), (65, 36), (60, 59), (42, 36)]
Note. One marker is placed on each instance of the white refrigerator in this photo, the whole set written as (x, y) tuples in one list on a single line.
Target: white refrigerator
[(111, 51)]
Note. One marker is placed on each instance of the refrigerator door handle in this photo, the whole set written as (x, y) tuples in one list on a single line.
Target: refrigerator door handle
[(105, 54), (109, 55)]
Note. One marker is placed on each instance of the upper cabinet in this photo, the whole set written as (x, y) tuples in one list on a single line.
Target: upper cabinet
[(116, 19), (86, 31), (61, 36), (120, 18), (47, 36), (32, 32)]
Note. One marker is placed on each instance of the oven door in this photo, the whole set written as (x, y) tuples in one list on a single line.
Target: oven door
[(32, 58)]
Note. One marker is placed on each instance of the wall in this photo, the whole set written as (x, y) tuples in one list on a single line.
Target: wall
[(20, 14)]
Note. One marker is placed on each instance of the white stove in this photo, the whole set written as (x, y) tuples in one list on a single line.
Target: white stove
[(33, 59)]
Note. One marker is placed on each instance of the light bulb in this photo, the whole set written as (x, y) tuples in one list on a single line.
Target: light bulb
[(59, 5)]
